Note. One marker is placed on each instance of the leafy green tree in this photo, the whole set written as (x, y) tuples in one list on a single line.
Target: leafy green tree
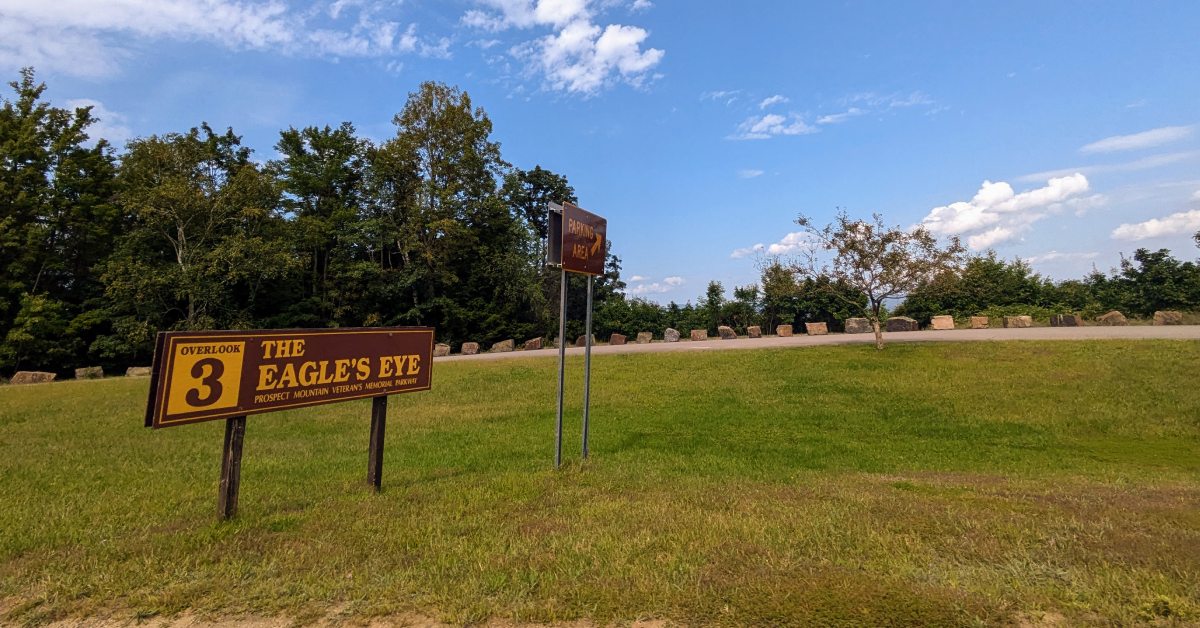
[(878, 261), (57, 216), (321, 174), (1158, 281), (984, 281), (38, 336), (204, 240), (780, 294)]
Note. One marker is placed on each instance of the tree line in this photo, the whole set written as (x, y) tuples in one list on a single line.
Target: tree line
[(102, 247)]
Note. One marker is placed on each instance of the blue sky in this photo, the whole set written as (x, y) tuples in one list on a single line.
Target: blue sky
[(1063, 133)]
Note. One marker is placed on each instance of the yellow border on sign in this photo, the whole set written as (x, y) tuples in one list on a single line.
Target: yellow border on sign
[(164, 385)]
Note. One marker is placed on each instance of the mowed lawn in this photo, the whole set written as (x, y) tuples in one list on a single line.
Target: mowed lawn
[(930, 484)]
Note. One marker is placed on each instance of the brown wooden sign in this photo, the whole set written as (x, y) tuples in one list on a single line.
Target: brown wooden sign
[(583, 246), (207, 375)]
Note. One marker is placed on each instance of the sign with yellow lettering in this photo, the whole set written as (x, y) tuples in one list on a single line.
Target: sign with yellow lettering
[(207, 375), (583, 247)]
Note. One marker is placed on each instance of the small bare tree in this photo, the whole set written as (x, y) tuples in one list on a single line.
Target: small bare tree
[(883, 262)]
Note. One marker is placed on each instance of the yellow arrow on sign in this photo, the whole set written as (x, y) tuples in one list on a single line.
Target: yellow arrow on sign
[(596, 244)]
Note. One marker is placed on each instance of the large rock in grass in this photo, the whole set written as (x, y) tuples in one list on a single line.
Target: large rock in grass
[(671, 335), (1113, 319), (89, 372), (783, 331), (699, 334), (726, 333), (858, 326), (1064, 320), (816, 329), (902, 323), (944, 322), (504, 346), (1167, 317), (754, 331), (441, 349), (980, 322), (533, 344), (138, 371), (32, 377), (470, 348), (616, 340), (645, 337), (582, 340), (1018, 322)]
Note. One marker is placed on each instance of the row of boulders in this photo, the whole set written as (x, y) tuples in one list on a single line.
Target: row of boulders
[(87, 372)]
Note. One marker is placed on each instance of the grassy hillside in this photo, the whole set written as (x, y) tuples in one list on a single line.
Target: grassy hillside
[(939, 484)]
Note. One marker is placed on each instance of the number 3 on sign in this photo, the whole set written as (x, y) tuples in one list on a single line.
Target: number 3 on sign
[(204, 376)]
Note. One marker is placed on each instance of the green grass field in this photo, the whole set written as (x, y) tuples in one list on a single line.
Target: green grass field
[(930, 484)]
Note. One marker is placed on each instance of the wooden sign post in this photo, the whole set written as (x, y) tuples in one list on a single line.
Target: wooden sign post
[(210, 375)]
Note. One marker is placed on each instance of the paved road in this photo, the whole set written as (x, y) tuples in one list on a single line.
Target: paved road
[(1173, 332)]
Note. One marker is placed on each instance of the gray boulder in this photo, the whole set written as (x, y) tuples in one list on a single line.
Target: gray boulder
[(1064, 320), (783, 331), (754, 331), (504, 346), (533, 344), (32, 377), (816, 329), (858, 326), (1113, 318), (944, 322), (902, 323), (89, 372), (671, 335), (1168, 317), (644, 337), (441, 349), (1018, 322), (137, 371), (470, 348), (699, 334), (617, 339), (726, 333)]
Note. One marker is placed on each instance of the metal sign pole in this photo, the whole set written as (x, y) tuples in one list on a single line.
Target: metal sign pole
[(562, 362), (587, 369)]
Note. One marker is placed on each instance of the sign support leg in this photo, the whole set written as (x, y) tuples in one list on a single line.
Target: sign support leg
[(562, 363), (231, 467), (587, 368), (375, 457)]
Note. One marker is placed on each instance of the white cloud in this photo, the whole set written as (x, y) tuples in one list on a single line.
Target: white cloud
[(92, 39), (579, 56), (790, 243), (749, 250), (637, 278), (772, 101), (749, 173), (666, 285), (1196, 195), (109, 125), (640, 5), (997, 214), (1145, 163), (771, 125), (1180, 223), (1135, 141), (836, 118), (727, 96), (990, 237), (1055, 256)]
